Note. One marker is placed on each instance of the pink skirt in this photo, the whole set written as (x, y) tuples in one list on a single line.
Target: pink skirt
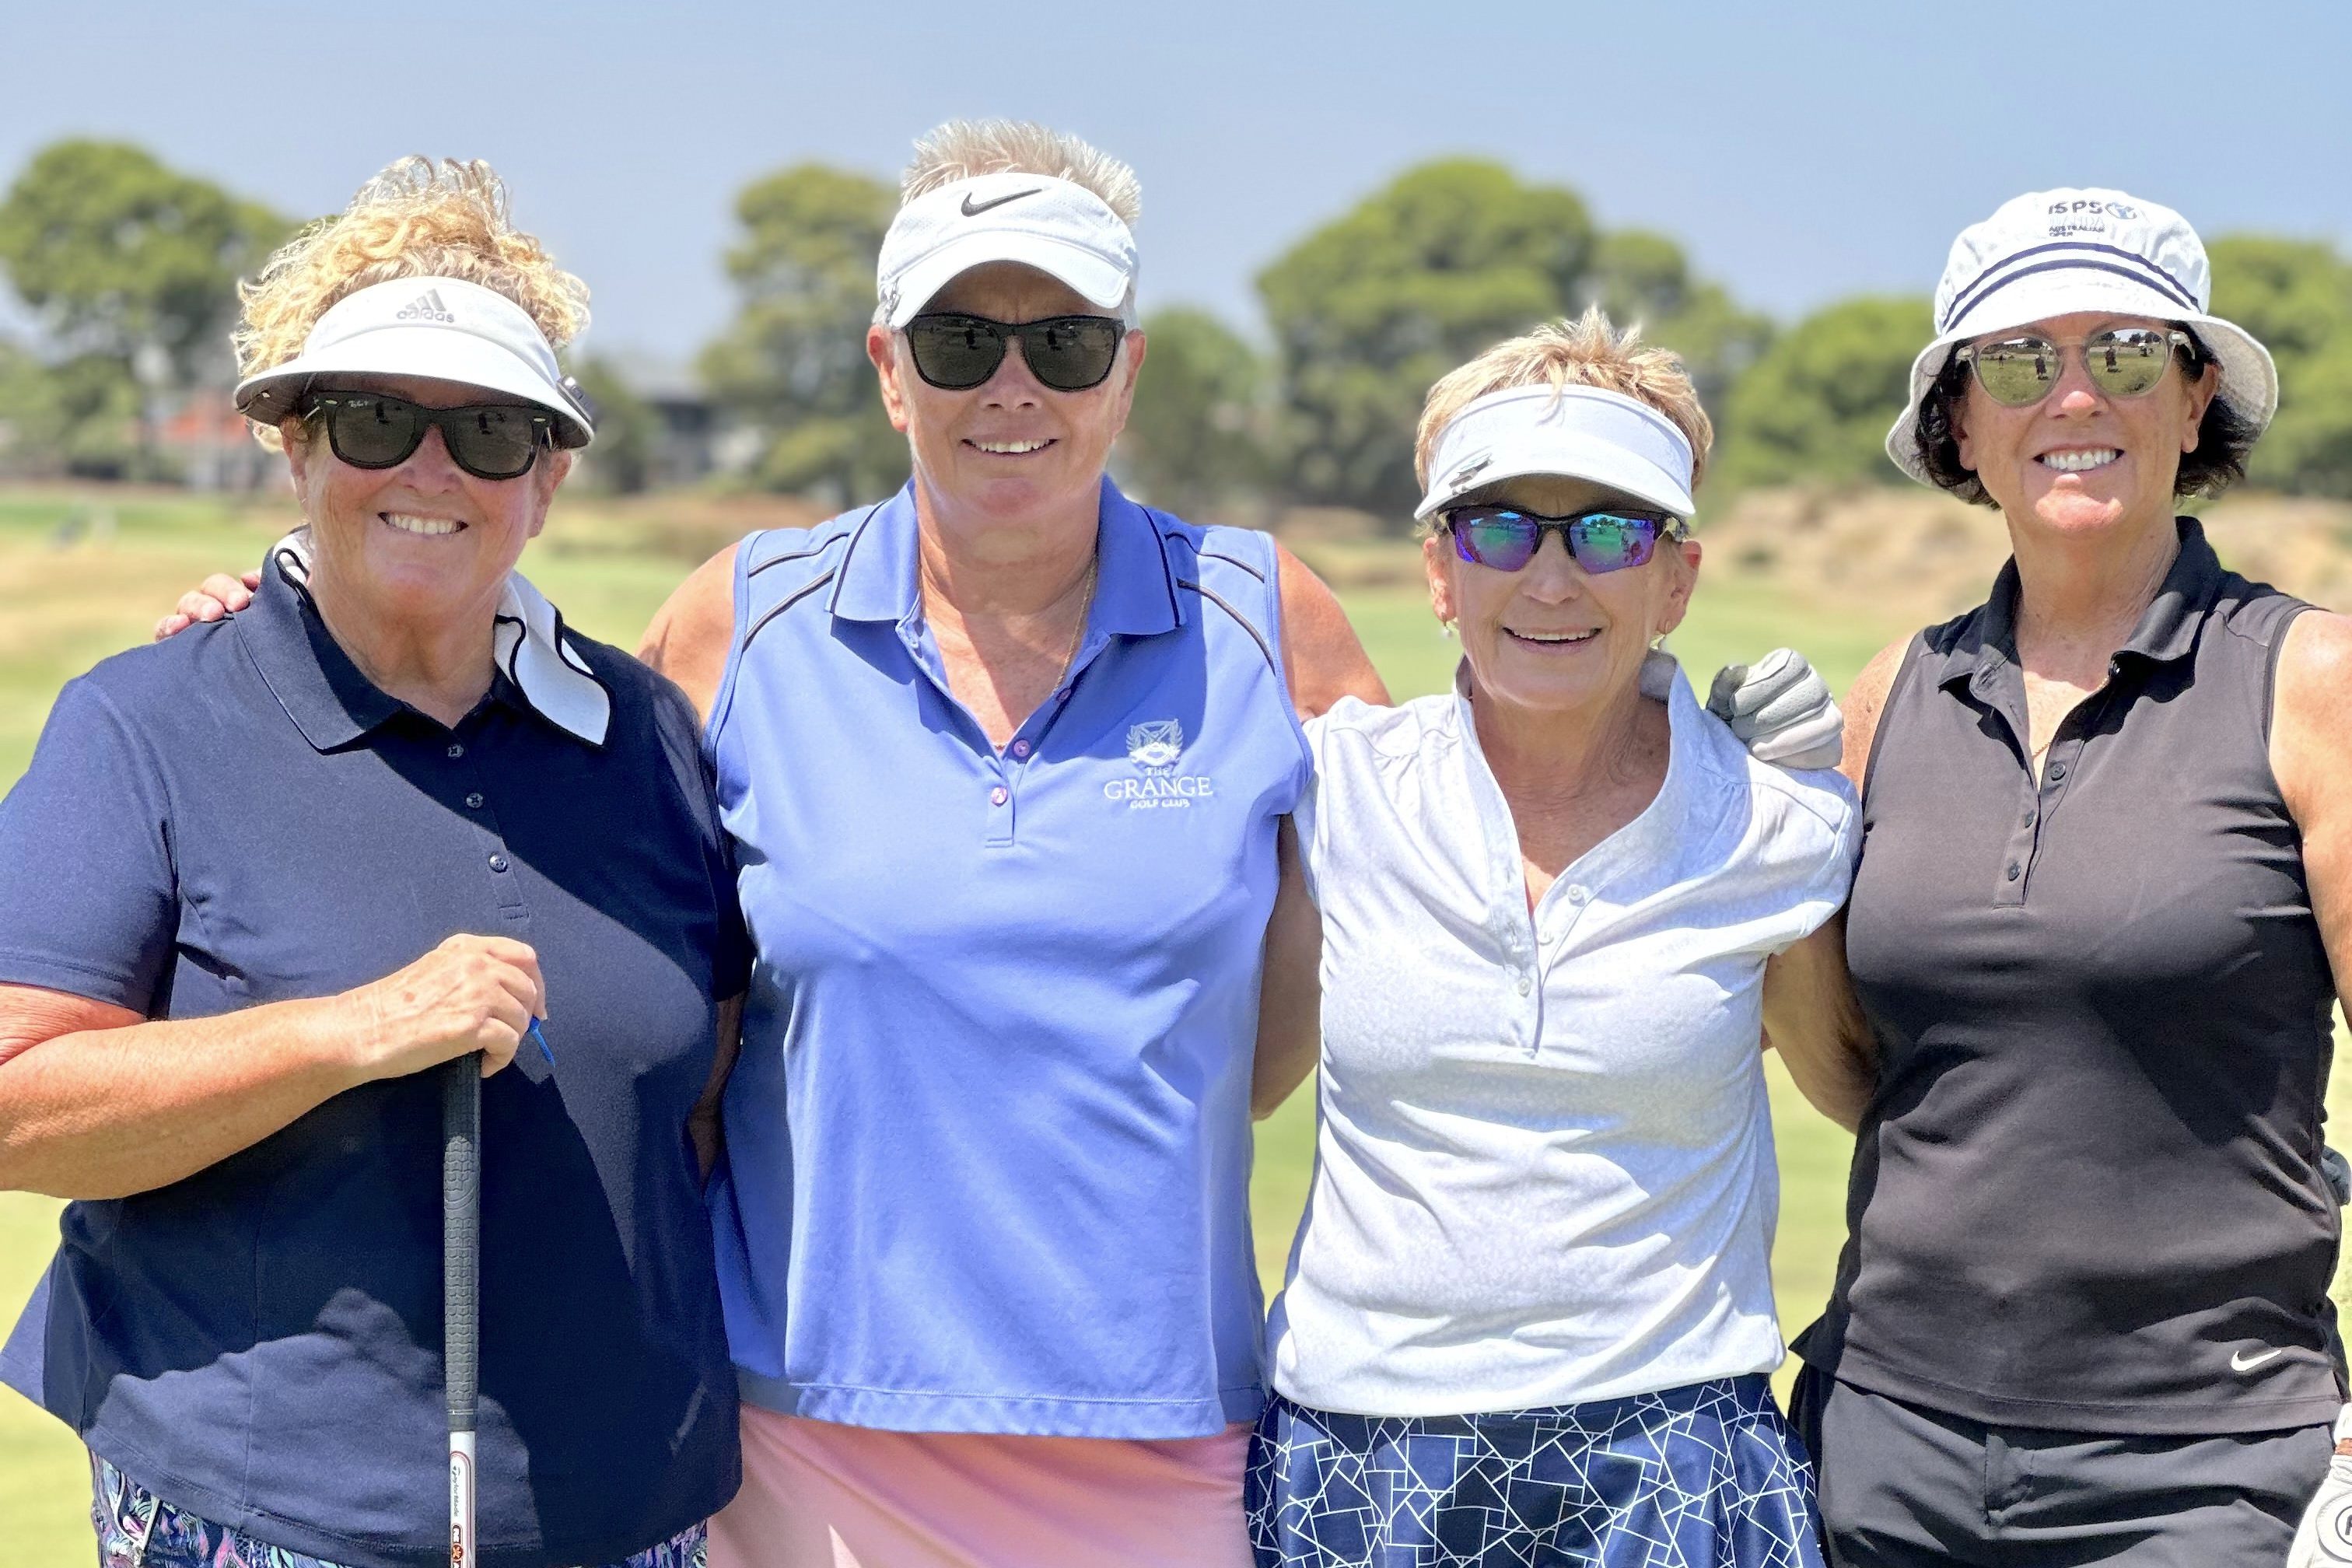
[(819, 1495)]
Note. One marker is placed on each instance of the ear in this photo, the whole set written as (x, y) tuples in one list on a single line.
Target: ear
[(1437, 562), (551, 472), (1957, 410), (882, 348), (1682, 579), (295, 438), (2201, 393), (1130, 365)]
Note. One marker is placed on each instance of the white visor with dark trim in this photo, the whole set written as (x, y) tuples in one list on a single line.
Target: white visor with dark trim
[(1568, 432)]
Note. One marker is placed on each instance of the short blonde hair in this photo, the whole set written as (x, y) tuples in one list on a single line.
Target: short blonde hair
[(1587, 351), (964, 149), (418, 219)]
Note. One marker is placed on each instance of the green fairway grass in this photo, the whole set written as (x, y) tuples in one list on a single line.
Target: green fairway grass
[(89, 576)]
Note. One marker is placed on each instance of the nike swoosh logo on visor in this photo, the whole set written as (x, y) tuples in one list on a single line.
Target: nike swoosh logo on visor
[(2241, 1361), (971, 209)]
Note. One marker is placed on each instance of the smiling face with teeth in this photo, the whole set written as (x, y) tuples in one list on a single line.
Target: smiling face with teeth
[(2081, 461), (422, 548), (1551, 638), (1010, 454)]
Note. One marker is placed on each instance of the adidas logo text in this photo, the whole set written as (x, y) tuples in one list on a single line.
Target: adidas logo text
[(427, 307)]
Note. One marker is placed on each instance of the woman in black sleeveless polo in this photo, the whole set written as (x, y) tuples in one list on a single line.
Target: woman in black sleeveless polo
[(2081, 1315)]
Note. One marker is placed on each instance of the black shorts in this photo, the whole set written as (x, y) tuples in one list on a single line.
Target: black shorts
[(1905, 1486)]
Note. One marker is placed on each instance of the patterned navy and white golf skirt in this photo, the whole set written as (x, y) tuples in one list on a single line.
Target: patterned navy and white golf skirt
[(1703, 1477)]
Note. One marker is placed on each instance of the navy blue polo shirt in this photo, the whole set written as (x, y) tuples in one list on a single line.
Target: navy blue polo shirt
[(238, 816)]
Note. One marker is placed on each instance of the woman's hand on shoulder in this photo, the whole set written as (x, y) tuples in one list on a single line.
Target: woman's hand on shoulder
[(688, 638), (1325, 658), (217, 596)]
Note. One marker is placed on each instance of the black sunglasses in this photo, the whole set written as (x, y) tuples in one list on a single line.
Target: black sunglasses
[(1508, 537), (376, 430), (1069, 353)]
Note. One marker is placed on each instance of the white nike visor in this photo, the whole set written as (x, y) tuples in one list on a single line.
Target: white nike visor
[(1573, 432), (1055, 225), (437, 328)]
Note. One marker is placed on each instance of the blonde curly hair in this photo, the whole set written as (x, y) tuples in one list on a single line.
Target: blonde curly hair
[(1587, 351), (420, 217)]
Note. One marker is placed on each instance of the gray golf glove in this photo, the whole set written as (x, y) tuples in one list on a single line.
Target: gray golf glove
[(2324, 1536), (1781, 711)]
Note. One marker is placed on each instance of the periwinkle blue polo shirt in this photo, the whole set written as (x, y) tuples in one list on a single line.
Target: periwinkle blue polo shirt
[(236, 816), (989, 1137)]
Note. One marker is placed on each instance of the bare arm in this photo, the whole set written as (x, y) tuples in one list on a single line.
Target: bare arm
[(702, 1124), (1810, 1014), (1326, 660), (1290, 1002), (99, 1102), (690, 633), (2311, 757), (1811, 1018)]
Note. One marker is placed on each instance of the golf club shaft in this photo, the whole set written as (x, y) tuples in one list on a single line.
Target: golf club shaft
[(461, 1207)]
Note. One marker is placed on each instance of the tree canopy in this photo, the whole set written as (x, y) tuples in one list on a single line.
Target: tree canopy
[(1440, 264), (1816, 406), (2296, 296), (792, 363), (116, 253), (1196, 436)]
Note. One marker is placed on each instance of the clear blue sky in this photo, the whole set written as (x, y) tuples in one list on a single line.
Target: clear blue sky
[(1801, 153)]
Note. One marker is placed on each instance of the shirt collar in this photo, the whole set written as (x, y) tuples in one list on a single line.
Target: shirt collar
[(2167, 631), (1656, 829), (1135, 586), (333, 704)]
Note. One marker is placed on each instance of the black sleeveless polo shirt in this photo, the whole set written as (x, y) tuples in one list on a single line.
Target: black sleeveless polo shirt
[(2087, 1194)]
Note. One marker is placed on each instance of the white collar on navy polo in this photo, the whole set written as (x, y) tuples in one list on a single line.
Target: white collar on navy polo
[(529, 642)]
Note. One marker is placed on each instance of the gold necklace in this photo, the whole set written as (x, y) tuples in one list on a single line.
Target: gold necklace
[(1078, 632)]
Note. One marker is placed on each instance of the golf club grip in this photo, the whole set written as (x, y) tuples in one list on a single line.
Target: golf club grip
[(461, 1209)]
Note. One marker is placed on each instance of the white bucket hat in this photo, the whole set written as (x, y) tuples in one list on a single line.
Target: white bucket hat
[(1577, 432), (442, 329), (1055, 225), (2054, 253)]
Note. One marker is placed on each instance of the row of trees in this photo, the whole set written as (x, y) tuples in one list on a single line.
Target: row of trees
[(1367, 311), (129, 268)]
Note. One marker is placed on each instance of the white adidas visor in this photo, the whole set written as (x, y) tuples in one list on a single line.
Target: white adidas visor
[(1573, 432), (439, 329), (1061, 228), (2057, 253)]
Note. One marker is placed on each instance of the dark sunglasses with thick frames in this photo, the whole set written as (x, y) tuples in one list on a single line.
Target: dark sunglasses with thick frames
[(377, 430), (1608, 539), (956, 352), (2017, 371)]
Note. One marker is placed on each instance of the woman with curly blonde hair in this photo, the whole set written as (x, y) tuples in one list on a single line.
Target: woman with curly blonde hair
[(262, 878)]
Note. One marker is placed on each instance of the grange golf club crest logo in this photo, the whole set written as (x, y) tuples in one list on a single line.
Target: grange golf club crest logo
[(1155, 748)]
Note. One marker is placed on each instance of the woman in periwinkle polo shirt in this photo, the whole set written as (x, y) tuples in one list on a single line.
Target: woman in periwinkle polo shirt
[(262, 877), (1528, 1315)]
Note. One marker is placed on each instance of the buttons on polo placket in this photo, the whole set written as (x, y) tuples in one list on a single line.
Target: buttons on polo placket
[(481, 820)]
